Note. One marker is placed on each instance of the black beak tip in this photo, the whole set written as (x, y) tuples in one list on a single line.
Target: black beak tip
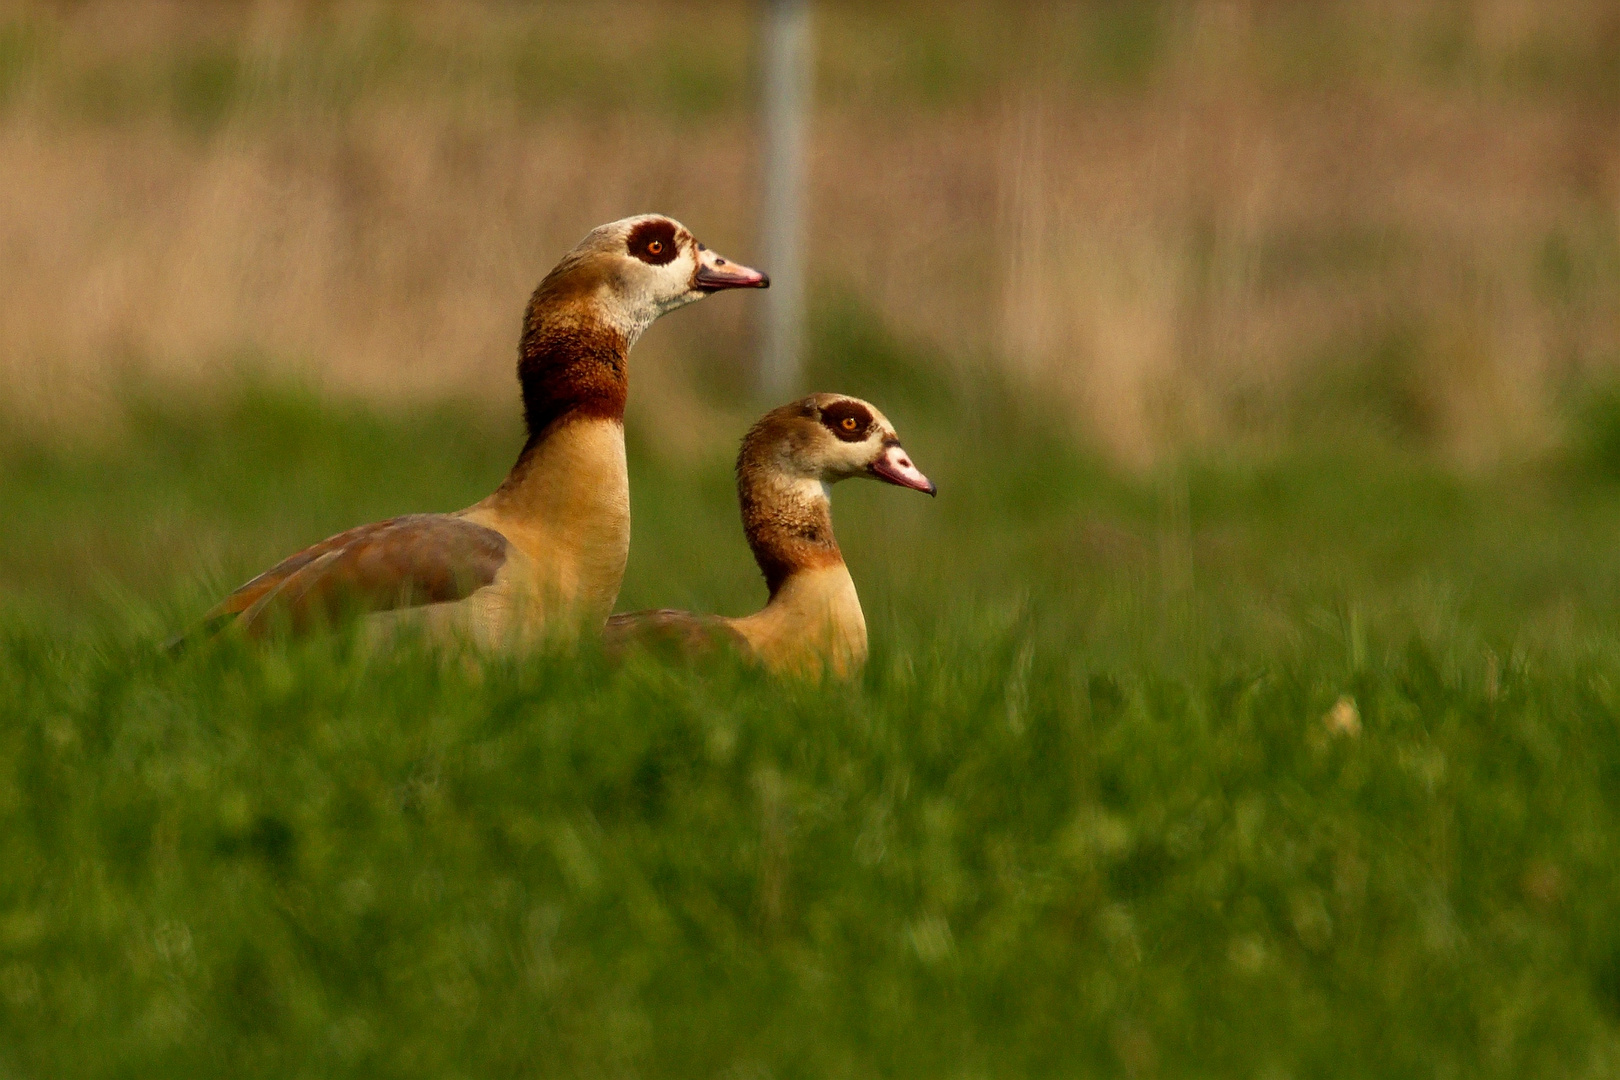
[(764, 281), (933, 489)]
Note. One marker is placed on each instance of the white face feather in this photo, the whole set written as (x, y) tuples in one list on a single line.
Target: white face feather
[(653, 269), (650, 291), (841, 460), (822, 457), (848, 437)]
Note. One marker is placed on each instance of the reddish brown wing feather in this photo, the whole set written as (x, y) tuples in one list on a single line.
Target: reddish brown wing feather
[(681, 632), (403, 562)]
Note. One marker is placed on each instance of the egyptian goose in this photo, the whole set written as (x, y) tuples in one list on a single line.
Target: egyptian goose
[(812, 622), (545, 553)]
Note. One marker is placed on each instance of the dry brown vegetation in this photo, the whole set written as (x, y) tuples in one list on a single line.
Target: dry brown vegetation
[(1194, 221)]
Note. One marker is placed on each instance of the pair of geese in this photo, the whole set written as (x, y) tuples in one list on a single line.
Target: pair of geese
[(544, 555)]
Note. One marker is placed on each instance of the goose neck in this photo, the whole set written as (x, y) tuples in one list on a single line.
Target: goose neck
[(788, 523)]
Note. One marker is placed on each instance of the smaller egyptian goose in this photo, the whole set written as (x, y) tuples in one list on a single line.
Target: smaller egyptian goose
[(812, 622), (544, 554)]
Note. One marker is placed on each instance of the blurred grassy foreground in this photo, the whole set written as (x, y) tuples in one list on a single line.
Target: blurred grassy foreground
[(1297, 767)]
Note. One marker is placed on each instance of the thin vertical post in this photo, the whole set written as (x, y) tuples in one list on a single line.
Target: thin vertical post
[(787, 99)]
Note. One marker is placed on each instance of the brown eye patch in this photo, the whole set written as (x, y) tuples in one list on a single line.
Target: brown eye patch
[(653, 242), (849, 420)]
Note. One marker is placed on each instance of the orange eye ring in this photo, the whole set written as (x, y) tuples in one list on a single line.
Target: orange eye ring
[(655, 247), (848, 423)]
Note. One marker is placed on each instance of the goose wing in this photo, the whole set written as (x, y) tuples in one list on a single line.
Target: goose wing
[(402, 562), (682, 632)]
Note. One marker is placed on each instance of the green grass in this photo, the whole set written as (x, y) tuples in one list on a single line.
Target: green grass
[(1081, 817)]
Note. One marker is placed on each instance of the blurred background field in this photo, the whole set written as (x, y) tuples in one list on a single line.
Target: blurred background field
[(1192, 222), (1244, 705)]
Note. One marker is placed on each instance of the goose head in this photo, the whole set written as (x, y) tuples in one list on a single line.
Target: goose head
[(631, 271), (826, 438)]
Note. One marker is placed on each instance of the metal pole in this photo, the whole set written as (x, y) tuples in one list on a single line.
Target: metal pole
[(787, 97)]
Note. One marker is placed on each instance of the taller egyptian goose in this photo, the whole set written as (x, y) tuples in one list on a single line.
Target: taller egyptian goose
[(545, 553), (812, 622)]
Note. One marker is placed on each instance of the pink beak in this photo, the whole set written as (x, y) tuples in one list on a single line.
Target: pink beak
[(895, 466), (715, 272)]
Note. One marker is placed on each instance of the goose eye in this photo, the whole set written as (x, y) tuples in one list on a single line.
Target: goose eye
[(655, 247), (848, 423)]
